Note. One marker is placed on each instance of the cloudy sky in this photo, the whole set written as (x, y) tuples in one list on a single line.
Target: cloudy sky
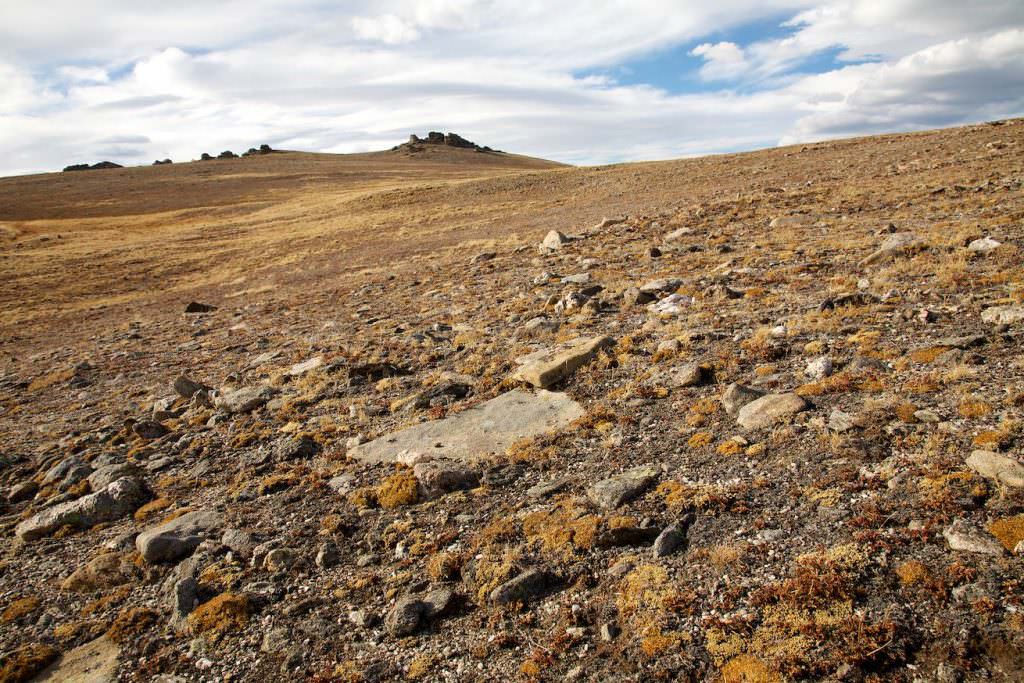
[(580, 81)]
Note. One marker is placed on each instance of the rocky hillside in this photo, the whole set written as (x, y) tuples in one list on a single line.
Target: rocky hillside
[(752, 417)]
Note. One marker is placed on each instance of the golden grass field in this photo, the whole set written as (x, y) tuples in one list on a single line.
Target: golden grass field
[(77, 248)]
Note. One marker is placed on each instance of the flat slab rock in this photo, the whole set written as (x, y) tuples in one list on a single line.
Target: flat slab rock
[(547, 368), (484, 430)]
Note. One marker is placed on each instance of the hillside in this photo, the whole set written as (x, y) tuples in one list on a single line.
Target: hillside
[(747, 417)]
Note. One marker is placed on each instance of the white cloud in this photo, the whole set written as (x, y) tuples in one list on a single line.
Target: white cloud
[(83, 74), (723, 60), (197, 77), (965, 79), (386, 28)]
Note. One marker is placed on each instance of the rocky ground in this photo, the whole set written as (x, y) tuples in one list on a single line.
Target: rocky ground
[(768, 430)]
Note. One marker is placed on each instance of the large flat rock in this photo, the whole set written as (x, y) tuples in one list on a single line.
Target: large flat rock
[(479, 432), (94, 662)]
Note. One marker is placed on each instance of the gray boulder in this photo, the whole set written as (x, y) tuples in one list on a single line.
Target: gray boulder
[(118, 499), (769, 410), (614, 491), (179, 537)]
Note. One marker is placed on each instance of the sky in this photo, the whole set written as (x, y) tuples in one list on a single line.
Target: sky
[(578, 81)]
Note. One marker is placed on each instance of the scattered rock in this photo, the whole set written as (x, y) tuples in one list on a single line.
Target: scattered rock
[(438, 477), (964, 536), (615, 491), (1002, 468), (1003, 315), (896, 244), (819, 368), (689, 375), (839, 421), (22, 492), (671, 539), (93, 662), (548, 488), (150, 429), (103, 571), (327, 555), (985, 245), (412, 613), (305, 366), (553, 241), (196, 307), (769, 410), (673, 304), (184, 600), (677, 235), (737, 395), (524, 588), (244, 400), (179, 537)]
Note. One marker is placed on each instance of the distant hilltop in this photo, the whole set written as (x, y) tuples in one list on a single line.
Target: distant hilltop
[(434, 138), (226, 154)]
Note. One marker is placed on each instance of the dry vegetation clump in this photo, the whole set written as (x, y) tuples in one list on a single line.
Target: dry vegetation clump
[(24, 663), (220, 615), (401, 488), (19, 608), (808, 625), (130, 623)]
